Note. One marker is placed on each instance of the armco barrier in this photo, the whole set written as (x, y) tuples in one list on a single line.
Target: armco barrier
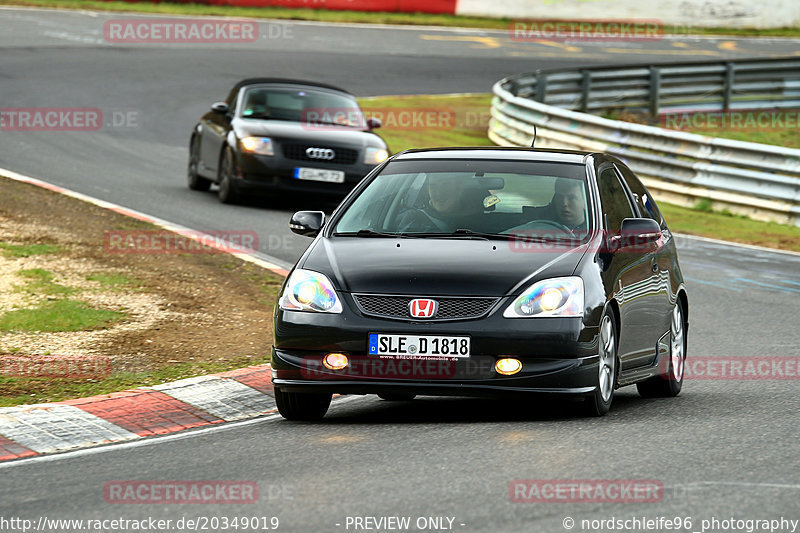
[(761, 181)]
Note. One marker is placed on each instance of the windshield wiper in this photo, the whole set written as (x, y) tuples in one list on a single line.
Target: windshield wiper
[(370, 233), (461, 232), (265, 116)]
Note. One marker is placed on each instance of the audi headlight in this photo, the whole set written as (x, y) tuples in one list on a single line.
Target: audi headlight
[(309, 291), (375, 156), (257, 145), (549, 297)]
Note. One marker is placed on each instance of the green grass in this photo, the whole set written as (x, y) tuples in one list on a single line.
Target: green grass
[(113, 281), (27, 250), (59, 315), (324, 15), (18, 391), (788, 137), (436, 120), (40, 281), (728, 227)]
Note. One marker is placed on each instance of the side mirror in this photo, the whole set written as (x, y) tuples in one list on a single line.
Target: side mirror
[(307, 223), (219, 107), (638, 232), (374, 123)]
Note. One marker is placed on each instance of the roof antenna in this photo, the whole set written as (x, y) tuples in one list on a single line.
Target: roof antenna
[(534, 135)]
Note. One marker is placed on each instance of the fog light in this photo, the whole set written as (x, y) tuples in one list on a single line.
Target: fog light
[(335, 361), (508, 366)]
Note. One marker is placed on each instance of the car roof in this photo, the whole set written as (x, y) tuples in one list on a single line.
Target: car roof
[(498, 152), (285, 81)]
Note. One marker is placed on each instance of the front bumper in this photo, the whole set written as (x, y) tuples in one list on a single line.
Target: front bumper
[(276, 173), (558, 355)]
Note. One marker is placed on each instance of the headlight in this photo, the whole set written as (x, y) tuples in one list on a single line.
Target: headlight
[(257, 145), (375, 156), (309, 291), (549, 297)]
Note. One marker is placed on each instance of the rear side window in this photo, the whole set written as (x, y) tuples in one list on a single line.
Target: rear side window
[(615, 204), (644, 201)]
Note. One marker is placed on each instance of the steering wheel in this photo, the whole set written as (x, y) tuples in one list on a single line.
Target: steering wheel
[(552, 223)]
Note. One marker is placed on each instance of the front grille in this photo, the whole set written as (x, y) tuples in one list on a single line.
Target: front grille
[(344, 156), (450, 308)]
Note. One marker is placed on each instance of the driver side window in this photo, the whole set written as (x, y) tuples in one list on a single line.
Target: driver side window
[(614, 200)]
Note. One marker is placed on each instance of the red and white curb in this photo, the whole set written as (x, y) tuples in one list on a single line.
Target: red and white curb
[(31, 430)]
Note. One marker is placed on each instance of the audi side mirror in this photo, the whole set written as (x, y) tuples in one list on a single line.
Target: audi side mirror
[(374, 123), (307, 223), (219, 107)]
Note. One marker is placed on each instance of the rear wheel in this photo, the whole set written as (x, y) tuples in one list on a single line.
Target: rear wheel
[(599, 402), (302, 406), (669, 384), (397, 397), (227, 189), (196, 182)]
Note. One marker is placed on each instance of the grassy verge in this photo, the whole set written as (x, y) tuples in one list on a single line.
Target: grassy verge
[(470, 127), (325, 15)]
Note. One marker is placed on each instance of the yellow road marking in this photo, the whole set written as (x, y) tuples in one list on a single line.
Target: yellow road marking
[(488, 42), (728, 45)]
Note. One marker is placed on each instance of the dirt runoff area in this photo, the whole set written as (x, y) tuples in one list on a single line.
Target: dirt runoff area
[(78, 317)]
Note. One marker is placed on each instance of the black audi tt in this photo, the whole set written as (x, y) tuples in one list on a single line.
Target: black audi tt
[(483, 272), (283, 135)]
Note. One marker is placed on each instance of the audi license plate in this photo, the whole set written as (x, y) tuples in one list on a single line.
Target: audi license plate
[(319, 174), (418, 346)]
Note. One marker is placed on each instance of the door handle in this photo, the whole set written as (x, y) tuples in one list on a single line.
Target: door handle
[(654, 265)]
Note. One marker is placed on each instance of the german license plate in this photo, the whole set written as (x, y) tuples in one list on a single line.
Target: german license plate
[(319, 174), (418, 346)]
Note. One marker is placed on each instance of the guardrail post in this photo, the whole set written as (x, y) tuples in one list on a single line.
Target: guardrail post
[(586, 87), (727, 89), (541, 86), (655, 89)]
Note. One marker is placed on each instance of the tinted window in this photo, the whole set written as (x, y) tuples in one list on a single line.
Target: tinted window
[(614, 200), (302, 105), (486, 196), (647, 206)]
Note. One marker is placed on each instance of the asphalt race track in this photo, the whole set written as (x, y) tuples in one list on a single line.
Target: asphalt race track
[(724, 448)]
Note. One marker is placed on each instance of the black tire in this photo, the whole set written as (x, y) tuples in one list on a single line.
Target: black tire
[(397, 397), (227, 192), (302, 406), (196, 183), (598, 403), (670, 382)]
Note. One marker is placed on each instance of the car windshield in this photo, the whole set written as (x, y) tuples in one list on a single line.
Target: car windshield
[(316, 108), (472, 199)]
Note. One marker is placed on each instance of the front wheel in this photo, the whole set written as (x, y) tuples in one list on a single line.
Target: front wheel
[(302, 406), (227, 189), (599, 402), (669, 383)]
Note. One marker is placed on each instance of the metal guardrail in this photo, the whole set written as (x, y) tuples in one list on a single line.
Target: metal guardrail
[(761, 181)]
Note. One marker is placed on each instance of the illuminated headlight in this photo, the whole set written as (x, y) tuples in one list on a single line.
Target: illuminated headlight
[(374, 156), (257, 145), (309, 291), (549, 297)]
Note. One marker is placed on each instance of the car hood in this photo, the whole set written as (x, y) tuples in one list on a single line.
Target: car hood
[(436, 267), (281, 130)]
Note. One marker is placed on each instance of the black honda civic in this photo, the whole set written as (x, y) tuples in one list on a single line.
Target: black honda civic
[(283, 136), (483, 272)]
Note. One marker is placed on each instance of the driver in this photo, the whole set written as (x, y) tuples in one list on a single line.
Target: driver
[(569, 205)]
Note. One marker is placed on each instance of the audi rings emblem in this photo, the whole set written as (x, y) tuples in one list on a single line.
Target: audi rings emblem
[(320, 153)]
